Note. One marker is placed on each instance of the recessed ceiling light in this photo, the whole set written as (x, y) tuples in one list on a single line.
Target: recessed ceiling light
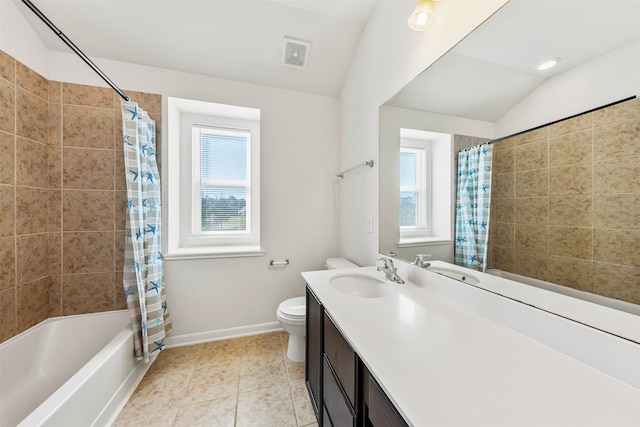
[(548, 64)]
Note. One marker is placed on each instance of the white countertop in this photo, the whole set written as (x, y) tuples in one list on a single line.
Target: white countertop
[(441, 364)]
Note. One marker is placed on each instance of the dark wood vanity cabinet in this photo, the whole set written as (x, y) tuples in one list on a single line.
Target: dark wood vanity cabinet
[(342, 391)]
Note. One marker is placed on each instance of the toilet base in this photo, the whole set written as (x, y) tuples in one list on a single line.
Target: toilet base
[(296, 347)]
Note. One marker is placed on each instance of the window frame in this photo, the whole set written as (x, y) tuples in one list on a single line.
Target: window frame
[(423, 188), (184, 239)]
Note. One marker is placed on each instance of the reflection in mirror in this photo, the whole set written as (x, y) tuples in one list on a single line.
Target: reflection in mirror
[(565, 203)]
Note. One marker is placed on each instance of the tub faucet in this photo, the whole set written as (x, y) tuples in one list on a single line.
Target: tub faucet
[(389, 270), (420, 261)]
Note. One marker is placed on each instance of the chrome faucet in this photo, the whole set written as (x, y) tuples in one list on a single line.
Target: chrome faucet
[(420, 261), (389, 270)]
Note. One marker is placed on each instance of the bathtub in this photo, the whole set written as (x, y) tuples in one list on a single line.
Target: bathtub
[(575, 293), (69, 371)]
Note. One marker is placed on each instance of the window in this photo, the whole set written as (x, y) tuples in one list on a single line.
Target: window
[(415, 188), (214, 207)]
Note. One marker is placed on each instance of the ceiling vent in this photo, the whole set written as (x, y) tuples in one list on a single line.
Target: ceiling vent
[(295, 53)]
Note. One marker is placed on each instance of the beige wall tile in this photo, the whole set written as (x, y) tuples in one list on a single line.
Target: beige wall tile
[(120, 301), (8, 322), (87, 169), (32, 257), (618, 113), (7, 67), (55, 92), (532, 156), (571, 210), (120, 209), (54, 248), (87, 127), (570, 180), (7, 159), (33, 303), (150, 102), (119, 237), (32, 163), (31, 81), (120, 173), (571, 272), (88, 210), (617, 281), (571, 149), (576, 124), (502, 234), (55, 296), (503, 185), (87, 252), (7, 262), (532, 210), (617, 211), (617, 246), (532, 183), (617, 140), (531, 136), (87, 293), (619, 175), (32, 119), (7, 106), (55, 125), (532, 264), (502, 210), (54, 160), (90, 96), (503, 160), (31, 210), (574, 242), (7, 210), (532, 238), (54, 211)]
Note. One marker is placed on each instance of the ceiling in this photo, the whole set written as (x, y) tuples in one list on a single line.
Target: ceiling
[(233, 39), (493, 69)]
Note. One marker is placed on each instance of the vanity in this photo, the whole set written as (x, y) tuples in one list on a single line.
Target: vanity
[(435, 351)]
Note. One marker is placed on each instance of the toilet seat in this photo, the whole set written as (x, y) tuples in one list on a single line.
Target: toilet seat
[(293, 308)]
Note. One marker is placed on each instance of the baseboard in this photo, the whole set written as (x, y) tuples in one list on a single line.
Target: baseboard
[(221, 334)]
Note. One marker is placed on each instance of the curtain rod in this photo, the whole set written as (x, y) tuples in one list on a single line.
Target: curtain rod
[(561, 120), (75, 48), (367, 163)]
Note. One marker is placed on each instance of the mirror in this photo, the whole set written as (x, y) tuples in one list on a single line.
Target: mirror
[(487, 87)]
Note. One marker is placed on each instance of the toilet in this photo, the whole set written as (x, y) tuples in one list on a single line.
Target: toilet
[(292, 312)]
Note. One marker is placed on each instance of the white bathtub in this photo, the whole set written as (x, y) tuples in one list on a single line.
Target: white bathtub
[(575, 293), (69, 371)]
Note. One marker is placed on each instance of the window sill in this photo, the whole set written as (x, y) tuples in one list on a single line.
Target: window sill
[(422, 241), (214, 252)]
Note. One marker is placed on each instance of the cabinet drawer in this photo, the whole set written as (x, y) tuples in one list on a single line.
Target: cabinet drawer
[(341, 357), (338, 409), (382, 413)]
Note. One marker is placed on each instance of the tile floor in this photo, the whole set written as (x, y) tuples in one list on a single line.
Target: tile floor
[(245, 381)]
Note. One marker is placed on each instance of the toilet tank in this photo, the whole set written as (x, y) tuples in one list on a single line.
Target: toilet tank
[(337, 263)]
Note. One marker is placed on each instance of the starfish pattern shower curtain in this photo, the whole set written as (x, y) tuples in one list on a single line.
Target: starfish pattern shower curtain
[(473, 203), (142, 277)]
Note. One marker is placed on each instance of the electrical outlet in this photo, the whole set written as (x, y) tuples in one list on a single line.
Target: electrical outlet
[(369, 224)]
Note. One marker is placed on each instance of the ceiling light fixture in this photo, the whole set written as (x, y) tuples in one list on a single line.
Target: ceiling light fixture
[(422, 15), (548, 64)]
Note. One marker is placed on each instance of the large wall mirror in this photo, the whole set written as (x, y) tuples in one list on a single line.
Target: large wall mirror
[(565, 196)]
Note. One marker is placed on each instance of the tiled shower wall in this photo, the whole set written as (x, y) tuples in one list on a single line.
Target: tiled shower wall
[(62, 197), (565, 203)]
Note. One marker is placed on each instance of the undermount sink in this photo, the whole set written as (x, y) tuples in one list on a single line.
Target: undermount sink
[(360, 285), (456, 275)]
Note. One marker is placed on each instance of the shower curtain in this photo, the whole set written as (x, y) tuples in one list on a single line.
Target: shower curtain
[(142, 277), (473, 203)]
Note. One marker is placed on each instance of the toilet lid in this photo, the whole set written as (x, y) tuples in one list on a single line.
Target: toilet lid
[(294, 307)]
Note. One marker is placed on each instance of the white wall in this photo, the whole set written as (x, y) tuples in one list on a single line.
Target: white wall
[(299, 144), (600, 81), (389, 56)]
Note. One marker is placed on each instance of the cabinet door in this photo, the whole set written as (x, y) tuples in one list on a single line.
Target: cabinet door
[(342, 358), (337, 406), (313, 365), (381, 412)]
